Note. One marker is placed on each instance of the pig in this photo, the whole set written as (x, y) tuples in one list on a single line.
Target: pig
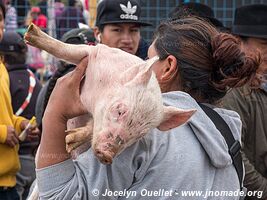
[(121, 93)]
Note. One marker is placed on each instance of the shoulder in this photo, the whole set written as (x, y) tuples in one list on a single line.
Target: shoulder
[(233, 120), (244, 100), (239, 94)]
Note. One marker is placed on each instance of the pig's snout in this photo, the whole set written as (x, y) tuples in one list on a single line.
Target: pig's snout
[(107, 145), (104, 157)]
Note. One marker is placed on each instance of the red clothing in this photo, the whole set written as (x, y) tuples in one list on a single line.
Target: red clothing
[(41, 21)]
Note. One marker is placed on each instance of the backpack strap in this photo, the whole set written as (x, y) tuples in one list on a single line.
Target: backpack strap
[(234, 146)]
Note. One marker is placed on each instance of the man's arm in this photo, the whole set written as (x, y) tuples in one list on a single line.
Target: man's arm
[(254, 181)]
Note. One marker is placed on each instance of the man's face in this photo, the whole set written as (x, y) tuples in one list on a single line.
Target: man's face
[(125, 36), (2, 22), (34, 15), (261, 46)]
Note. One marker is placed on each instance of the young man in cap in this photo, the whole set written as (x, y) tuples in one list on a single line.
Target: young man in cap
[(10, 126), (118, 24), (250, 24)]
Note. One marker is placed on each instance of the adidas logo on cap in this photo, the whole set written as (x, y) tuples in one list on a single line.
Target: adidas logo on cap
[(129, 10)]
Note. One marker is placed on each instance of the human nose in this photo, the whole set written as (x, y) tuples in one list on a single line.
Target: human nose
[(126, 38)]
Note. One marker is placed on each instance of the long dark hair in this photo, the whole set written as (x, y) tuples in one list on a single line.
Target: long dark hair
[(209, 62)]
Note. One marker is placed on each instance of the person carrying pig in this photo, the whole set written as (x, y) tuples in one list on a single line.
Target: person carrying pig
[(196, 64)]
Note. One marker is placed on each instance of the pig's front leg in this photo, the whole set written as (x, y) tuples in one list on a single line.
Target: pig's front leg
[(79, 139), (68, 52)]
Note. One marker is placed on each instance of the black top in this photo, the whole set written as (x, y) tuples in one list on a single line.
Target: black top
[(19, 86)]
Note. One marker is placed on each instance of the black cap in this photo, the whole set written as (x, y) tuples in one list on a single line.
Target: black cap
[(12, 42), (251, 21), (197, 9), (119, 11)]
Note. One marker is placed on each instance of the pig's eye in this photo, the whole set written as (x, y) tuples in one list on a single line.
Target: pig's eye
[(119, 111)]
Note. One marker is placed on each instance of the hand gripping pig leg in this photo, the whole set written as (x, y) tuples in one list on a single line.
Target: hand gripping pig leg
[(68, 52), (78, 136)]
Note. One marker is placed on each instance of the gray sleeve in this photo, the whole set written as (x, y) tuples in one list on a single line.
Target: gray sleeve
[(82, 178)]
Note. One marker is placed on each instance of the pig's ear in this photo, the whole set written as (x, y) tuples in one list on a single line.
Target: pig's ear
[(130, 73), (174, 117), (145, 73)]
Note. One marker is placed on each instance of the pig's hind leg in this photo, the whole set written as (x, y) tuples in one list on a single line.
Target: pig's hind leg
[(68, 52)]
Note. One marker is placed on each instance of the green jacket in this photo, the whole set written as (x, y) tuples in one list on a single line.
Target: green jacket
[(252, 108)]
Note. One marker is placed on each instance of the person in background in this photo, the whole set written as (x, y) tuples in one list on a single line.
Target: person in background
[(59, 8), (195, 9), (10, 128), (24, 89), (11, 17), (250, 101), (37, 18), (114, 30), (35, 59), (42, 4), (199, 66), (69, 19), (86, 13)]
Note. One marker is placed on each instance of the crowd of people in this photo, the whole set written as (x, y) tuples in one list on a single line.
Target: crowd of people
[(220, 72)]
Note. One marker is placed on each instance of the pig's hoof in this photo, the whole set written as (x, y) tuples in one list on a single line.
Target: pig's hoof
[(103, 157), (71, 146), (32, 28), (81, 134)]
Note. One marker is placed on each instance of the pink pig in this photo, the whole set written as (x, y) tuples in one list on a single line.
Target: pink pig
[(121, 93)]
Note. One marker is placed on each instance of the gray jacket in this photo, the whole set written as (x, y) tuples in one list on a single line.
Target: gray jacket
[(162, 165)]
